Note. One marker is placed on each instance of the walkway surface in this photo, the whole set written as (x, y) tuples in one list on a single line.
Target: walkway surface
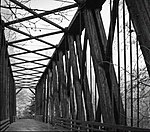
[(33, 125)]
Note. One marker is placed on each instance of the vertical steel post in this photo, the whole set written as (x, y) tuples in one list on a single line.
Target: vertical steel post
[(118, 51), (131, 81), (138, 101), (125, 77)]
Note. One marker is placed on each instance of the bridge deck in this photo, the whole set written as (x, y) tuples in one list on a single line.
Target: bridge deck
[(33, 125)]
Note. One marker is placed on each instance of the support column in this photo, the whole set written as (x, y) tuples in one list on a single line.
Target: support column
[(106, 47), (63, 88), (47, 96), (70, 91), (54, 97), (38, 98), (76, 81), (84, 79), (3, 74), (44, 97), (103, 88), (140, 15)]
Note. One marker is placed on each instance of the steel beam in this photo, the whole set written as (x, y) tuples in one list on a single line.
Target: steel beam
[(37, 15), (32, 91), (41, 14), (26, 61), (26, 34), (28, 51), (18, 91), (34, 37)]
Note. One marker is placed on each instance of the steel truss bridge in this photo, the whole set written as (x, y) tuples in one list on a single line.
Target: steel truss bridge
[(93, 78)]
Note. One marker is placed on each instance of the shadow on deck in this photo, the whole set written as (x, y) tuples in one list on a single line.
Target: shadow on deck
[(33, 125)]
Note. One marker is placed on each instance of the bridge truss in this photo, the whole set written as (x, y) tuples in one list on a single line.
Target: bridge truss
[(93, 81)]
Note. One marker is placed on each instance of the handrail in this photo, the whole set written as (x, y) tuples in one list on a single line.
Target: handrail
[(76, 125), (4, 124), (91, 125)]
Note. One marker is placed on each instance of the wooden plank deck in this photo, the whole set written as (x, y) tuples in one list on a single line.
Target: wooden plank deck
[(33, 125)]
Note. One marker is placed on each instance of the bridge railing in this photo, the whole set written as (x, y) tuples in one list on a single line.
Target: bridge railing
[(4, 124), (95, 126)]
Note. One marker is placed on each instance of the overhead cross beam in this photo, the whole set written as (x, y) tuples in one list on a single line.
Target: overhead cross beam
[(14, 64), (24, 67), (37, 15), (24, 85), (26, 34), (25, 82), (28, 51), (32, 91), (33, 87), (33, 69), (23, 74), (34, 74), (41, 14), (34, 37), (20, 73), (26, 61), (18, 91), (26, 79)]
